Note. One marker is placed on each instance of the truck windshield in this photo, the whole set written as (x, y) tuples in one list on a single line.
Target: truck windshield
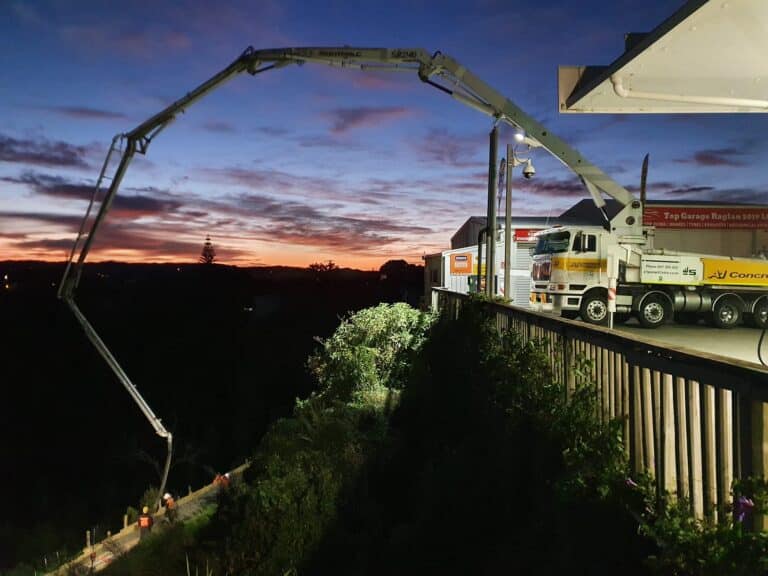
[(551, 243)]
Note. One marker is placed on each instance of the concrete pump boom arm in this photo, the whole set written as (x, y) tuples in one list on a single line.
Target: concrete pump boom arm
[(438, 70), (460, 83), (465, 87), (457, 81)]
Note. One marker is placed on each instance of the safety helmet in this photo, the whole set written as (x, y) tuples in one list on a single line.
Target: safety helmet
[(226, 475), (145, 510), (166, 496)]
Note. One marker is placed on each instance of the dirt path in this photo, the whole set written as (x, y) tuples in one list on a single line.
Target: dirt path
[(100, 555)]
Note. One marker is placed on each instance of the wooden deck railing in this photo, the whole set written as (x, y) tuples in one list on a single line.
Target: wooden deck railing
[(694, 421)]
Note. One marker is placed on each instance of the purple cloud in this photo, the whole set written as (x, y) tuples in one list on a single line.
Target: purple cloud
[(220, 127), (696, 191), (555, 188), (41, 152), (273, 130), (346, 119), (123, 206), (67, 221), (370, 80), (274, 181), (82, 112), (144, 44), (441, 147), (300, 223), (719, 157)]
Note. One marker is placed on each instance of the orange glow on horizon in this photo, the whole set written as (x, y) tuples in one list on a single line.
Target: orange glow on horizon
[(276, 258)]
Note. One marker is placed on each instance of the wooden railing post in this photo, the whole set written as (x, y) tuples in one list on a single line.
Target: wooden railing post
[(723, 449), (708, 450), (668, 458), (696, 465), (626, 405), (636, 436), (693, 420), (648, 422), (681, 437)]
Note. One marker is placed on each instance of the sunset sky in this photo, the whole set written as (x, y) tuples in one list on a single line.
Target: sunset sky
[(308, 164)]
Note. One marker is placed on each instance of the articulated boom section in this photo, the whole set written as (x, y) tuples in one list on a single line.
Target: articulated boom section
[(468, 89), (437, 70)]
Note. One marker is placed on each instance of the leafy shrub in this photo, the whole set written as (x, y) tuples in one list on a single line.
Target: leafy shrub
[(132, 514), (488, 467), (691, 547), (304, 465), (294, 486), (150, 498), (369, 352)]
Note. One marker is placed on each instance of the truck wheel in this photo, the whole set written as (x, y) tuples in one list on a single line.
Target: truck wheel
[(594, 308), (654, 311), (726, 313), (760, 315)]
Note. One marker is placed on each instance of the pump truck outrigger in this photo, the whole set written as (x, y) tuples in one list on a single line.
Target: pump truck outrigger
[(437, 70)]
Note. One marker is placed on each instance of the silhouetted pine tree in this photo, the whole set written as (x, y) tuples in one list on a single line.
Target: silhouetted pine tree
[(209, 252)]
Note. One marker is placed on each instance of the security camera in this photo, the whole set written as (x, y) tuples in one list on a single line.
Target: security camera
[(529, 170)]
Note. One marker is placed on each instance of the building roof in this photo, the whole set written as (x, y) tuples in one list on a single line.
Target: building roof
[(517, 222), (542, 221), (707, 57), (585, 213)]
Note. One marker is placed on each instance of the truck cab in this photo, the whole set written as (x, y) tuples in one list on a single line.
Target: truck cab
[(566, 262)]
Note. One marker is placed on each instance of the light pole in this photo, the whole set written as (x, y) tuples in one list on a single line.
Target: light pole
[(512, 161), (490, 249)]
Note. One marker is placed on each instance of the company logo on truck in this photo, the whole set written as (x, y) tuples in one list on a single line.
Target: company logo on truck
[(718, 275), (735, 272), (571, 264), (722, 274)]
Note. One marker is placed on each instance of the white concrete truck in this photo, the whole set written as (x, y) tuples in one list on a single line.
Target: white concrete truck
[(585, 270)]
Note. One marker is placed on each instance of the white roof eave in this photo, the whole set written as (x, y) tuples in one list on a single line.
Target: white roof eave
[(708, 57)]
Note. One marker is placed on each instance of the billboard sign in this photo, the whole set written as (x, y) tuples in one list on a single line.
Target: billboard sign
[(526, 234), (713, 217), (461, 263)]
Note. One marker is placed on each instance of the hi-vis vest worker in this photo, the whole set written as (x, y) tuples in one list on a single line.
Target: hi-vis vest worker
[(145, 522)]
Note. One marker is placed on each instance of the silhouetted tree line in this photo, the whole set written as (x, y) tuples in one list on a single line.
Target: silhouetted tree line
[(218, 352)]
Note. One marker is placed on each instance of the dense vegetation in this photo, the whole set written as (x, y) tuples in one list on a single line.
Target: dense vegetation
[(218, 352), (438, 445), (457, 453)]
